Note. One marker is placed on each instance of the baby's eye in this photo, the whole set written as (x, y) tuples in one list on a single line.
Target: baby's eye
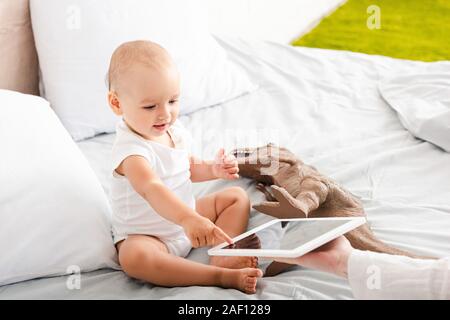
[(172, 101), (150, 107)]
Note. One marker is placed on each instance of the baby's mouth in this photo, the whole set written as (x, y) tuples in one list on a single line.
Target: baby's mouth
[(161, 126)]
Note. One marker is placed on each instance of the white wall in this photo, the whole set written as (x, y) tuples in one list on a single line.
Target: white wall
[(275, 20)]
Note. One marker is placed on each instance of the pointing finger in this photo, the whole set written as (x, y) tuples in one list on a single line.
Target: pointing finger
[(218, 233)]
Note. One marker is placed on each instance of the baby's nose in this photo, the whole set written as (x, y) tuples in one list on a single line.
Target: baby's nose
[(165, 113)]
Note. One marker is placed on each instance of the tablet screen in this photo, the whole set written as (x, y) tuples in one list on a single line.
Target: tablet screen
[(290, 236)]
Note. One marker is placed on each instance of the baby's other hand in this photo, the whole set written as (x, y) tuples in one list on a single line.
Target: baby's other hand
[(202, 232), (225, 166)]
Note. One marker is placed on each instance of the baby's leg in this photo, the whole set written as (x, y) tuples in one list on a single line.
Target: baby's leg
[(147, 258), (228, 209)]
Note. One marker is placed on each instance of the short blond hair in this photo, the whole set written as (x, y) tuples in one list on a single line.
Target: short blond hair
[(127, 54)]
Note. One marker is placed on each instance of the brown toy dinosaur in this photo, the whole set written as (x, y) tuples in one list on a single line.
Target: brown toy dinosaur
[(300, 191)]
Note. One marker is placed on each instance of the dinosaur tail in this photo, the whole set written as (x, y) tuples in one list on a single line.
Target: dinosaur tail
[(362, 238)]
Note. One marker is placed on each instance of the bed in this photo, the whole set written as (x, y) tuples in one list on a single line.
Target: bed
[(325, 106)]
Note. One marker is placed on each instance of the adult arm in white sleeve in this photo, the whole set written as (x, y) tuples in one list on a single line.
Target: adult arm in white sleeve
[(381, 276)]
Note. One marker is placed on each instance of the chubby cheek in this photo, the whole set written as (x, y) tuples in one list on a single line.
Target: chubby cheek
[(147, 119), (174, 113), (141, 121)]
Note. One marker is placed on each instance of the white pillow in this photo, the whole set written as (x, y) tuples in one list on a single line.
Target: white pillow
[(53, 211), (75, 40), (422, 102)]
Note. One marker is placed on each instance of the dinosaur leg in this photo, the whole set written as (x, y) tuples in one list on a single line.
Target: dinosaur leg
[(261, 187), (312, 194), (283, 208)]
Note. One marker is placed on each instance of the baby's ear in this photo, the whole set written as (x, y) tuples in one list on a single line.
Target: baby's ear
[(114, 103)]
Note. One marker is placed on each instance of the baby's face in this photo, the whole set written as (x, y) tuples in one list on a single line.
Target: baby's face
[(148, 99)]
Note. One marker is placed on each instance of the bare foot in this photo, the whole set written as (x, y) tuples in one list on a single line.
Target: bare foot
[(234, 262), (241, 279), (250, 242)]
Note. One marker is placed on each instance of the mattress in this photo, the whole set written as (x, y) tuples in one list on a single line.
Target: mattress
[(324, 106)]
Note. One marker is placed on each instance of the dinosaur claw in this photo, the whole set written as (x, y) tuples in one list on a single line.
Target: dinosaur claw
[(280, 193), (268, 207)]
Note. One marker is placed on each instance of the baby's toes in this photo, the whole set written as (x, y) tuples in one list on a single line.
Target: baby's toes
[(250, 284), (254, 273), (250, 281), (246, 262)]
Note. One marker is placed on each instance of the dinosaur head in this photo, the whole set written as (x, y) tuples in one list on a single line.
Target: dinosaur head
[(262, 163)]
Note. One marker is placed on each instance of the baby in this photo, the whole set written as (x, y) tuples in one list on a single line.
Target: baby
[(156, 220)]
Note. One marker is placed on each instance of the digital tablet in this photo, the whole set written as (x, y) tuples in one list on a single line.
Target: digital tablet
[(288, 238)]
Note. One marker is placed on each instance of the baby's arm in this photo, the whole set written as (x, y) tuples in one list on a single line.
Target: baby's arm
[(224, 167), (201, 170), (201, 231)]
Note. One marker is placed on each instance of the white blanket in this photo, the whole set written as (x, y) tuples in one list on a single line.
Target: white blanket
[(422, 102)]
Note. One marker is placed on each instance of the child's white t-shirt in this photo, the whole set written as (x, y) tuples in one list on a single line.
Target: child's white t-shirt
[(132, 214)]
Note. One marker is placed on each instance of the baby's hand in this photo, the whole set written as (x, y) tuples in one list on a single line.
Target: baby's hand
[(202, 232), (225, 167)]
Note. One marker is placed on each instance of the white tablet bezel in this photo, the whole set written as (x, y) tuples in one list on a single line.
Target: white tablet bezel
[(353, 222)]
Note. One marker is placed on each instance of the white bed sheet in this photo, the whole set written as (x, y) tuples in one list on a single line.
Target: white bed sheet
[(324, 106)]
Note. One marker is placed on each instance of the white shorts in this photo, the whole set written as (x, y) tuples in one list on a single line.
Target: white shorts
[(179, 247)]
